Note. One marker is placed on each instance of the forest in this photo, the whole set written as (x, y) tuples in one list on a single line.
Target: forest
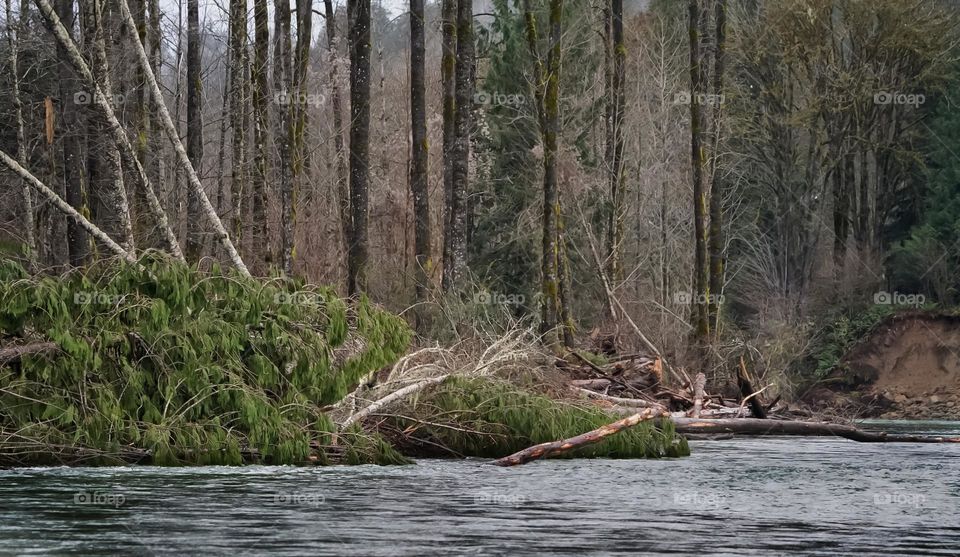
[(716, 184)]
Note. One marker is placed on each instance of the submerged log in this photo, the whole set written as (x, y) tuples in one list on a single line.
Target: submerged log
[(546, 450), (759, 426)]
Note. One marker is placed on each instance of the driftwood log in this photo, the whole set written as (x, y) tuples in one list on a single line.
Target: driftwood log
[(759, 426), (545, 450), (12, 354)]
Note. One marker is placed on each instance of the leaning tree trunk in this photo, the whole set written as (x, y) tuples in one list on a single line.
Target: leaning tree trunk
[(13, 44), (448, 70), (64, 207), (102, 103), (182, 157), (700, 293), (455, 244), (358, 16), (418, 156), (342, 186), (259, 241)]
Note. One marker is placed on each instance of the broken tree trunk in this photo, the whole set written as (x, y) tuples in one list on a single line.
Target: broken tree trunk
[(758, 426), (546, 450), (698, 385), (748, 393), (628, 402)]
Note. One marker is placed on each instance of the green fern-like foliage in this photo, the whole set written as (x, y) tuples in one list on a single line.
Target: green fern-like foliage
[(183, 366), (491, 419)]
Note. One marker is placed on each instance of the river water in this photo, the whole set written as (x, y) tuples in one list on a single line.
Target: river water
[(770, 496)]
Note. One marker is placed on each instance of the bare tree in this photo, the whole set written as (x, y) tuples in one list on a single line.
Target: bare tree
[(700, 284), (260, 236), (418, 156), (448, 68), (358, 17), (13, 44)]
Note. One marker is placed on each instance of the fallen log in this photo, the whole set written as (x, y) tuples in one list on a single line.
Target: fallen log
[(762, 426), (631, 402), (546, 450), (12, 354), (592, 384)]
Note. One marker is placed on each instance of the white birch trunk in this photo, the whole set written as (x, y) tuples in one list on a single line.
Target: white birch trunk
[(64, 207)]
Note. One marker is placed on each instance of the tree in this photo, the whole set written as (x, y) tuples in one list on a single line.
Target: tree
[(194, 128), (717, 239), (258, 77), (110, 207), (358, 17), (297, 121), (418, 156), (342, 183), (700, 292), (73, 178), (448, 69), (283, 94), (616, 100), (13, 44), (239, 84)]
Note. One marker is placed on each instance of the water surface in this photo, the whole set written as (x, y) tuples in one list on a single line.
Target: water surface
[(771, 496)]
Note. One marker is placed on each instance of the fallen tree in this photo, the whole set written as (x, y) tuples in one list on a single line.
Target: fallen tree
[(759, 426)]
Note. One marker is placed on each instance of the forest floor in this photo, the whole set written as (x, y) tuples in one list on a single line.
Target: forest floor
[(906, 368)]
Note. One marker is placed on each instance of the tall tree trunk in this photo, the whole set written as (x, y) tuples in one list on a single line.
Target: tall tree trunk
[(418, 163), (194, 129), (448, 68), (700, 281), (258, 78), (239, 83), (456, 243), (716, 185), (111, 209), (283, 93), (617, 99), (14, 35), (296, 131), (342, 184), (73, 176), (358, 17), (547, 99)]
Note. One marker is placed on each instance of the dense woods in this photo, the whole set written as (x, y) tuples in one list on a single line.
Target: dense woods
[(702, 179)]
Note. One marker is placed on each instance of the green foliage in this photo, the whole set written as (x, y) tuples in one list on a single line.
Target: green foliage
[(196, 368), (486, 418)]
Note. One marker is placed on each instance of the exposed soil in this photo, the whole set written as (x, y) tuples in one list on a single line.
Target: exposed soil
[(908, 367)]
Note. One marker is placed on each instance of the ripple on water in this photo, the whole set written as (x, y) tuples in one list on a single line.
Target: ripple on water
[(745, 496)]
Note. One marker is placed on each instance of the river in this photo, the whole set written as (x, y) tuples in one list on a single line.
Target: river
[(770, 496)]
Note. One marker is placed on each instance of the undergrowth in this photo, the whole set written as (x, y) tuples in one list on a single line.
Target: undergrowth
[(490, 418), (187, 367)]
